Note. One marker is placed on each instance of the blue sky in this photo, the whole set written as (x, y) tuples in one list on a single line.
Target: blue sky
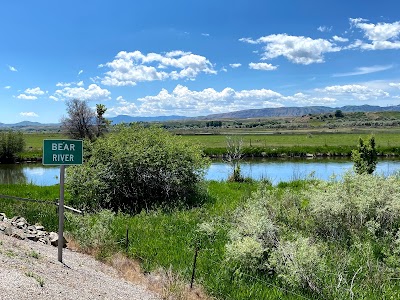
[(151, 58)]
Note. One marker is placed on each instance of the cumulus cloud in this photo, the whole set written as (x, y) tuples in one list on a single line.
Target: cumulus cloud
[(396, 85), (129, 68), (182, 100), (297, 49), (80, 72), (26, 97), (12, 69), (339, 39), (92, 93), (7, 87), (34, 91), (382, 36), (356, 91), (236, 65), (364, 70), (262, 66), (205, 34), (30, 114)]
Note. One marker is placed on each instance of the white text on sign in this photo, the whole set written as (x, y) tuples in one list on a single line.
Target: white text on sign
[(62, 146), (63, 157)]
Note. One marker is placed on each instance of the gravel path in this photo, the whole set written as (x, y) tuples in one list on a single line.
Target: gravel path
[(31, 270)]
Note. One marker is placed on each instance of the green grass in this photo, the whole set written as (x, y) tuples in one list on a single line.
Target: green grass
[(43, 213), (34, 144), (167, 238), (292, 144), (336, 144)]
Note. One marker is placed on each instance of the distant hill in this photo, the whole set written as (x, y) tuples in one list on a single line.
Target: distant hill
[(295, 111), (27, 124), (128, 119)]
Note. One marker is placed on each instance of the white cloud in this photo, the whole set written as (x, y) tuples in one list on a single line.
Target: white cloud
[(80, 72), (262, 66), (223, 69), (12, 69), (339, 39), (305, 99), (30, 114), (53, 98), (7, 87), (187, 102), (205, 34), (356, 91), (67, 84), (396, 85), (63, 84), (364, 70), (121, 100), (128, 68), (233, 66), (26, 97), (34, 91), (324, 28), (382, 36), (92, 93), (297, 49)]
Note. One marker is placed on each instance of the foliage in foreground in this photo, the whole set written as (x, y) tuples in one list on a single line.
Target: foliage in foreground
[(135, 168), (338, 240), (11, 142)]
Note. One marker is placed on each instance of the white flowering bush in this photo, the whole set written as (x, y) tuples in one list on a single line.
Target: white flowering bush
[(357, 203), (334, 240), (253, 233), (299, 263)]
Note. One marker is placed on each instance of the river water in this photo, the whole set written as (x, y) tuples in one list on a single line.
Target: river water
[(273, 169)]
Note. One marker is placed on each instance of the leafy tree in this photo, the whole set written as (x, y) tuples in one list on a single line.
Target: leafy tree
[(365, 156), (339, 114), (135, 168), (83, 122), (80, 120), (11, 142), (101, 122)]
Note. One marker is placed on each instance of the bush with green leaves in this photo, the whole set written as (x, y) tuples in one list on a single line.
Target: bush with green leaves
[(365, 156), (333, 240), (135, 168), (356, 204), (11, 142)]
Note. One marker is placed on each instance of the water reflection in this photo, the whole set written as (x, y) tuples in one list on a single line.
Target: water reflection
[(29, 173), (11, 174), (273, 169), (287, 170)]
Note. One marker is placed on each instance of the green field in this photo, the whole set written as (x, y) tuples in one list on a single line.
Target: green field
[(388, 143), (290, 140)]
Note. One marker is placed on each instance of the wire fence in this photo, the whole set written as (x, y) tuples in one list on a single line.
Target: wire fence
[(48, 202)]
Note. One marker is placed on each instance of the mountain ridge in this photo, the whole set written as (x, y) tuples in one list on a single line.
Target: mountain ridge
[(294, 111)]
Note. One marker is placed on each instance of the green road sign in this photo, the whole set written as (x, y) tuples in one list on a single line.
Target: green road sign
[(62, 152)]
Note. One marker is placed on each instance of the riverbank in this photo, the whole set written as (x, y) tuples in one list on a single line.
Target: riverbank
[(361, 262)]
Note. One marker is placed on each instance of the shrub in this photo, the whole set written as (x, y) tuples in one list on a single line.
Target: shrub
[(334, 240), (365, 156), (357, 204), (135, 168), (11, 142)]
